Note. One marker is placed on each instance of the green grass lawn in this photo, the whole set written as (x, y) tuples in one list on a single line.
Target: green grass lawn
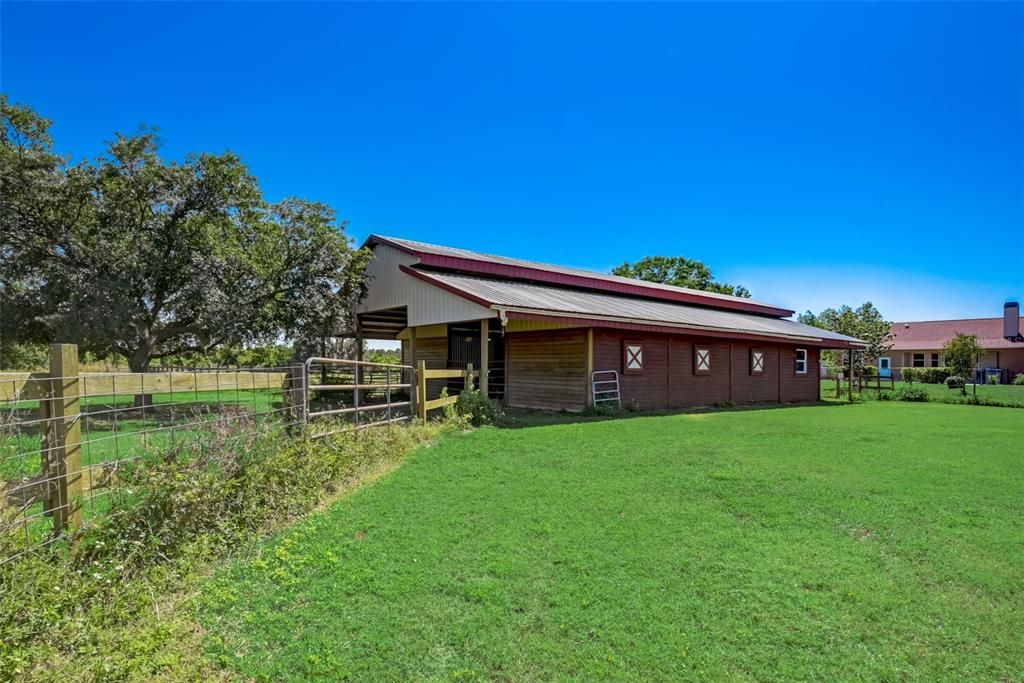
[(1005, 394), (877, 541)]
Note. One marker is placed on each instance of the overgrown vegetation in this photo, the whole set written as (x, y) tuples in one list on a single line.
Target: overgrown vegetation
[(103, 606)]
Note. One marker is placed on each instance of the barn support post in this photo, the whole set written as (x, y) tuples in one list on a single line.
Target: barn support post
[(421, 390), (484, 360), (850, 382), (590, 366)]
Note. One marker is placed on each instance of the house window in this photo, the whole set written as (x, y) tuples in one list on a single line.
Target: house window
[(756, 362), (632, 357), (701, 361), (918, 360), (935, 360), (801, 361)]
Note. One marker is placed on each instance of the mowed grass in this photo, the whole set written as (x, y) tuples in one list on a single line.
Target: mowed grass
[(877, 541)]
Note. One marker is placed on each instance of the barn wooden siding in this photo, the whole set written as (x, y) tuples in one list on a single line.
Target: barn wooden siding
[(668, 380), (546, 370), (433, 350)]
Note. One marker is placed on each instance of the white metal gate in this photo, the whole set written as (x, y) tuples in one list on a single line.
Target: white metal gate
[(347, 395), (604, 387)]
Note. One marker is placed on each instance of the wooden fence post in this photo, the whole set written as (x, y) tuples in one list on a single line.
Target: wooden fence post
[(421, 390), (468, 385), (64, 442)]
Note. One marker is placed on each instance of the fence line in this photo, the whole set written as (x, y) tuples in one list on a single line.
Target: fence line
[(68, 439)]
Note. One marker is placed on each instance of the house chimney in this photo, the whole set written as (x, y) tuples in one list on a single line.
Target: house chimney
[(1011, 320)]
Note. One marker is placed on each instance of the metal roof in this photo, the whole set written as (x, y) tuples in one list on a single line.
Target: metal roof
[(451, 258), (554, 301)]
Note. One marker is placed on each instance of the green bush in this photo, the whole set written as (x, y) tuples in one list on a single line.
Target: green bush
[(992, 379), (476, 408), (1019, 380), (955, 382), (926, 375), (911, 394)]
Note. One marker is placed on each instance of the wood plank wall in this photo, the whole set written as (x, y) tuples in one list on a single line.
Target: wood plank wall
[(433, 350), (546, 370)]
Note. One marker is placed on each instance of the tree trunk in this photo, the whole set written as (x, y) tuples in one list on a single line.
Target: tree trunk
[(139, 362)]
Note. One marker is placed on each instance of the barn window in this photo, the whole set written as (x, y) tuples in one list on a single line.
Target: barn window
[(756, 362), (918, 360), (801, 361), (632, 357), (701, 361)]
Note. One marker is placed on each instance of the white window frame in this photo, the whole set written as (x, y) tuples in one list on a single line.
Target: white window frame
[(913, 360), (756, 361), (628, 356), (935, 361), (702, 356), (801, 361)]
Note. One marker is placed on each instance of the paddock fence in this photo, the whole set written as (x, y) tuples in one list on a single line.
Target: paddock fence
[(69, 440)]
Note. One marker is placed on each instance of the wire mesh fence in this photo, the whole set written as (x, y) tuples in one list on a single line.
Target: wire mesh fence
[(69, 440)]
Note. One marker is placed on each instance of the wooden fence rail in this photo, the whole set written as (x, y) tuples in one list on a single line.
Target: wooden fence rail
[(423, 374)]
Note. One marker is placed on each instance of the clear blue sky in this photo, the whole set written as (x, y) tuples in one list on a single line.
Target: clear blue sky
[(818, 153)]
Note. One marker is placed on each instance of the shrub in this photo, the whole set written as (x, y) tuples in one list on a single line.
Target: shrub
[(911, 394), (1019, 380), (955, 382), (926, 375), (992, 379), (476, 408)]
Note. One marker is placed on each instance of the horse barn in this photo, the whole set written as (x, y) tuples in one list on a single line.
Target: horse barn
[(554, 338)]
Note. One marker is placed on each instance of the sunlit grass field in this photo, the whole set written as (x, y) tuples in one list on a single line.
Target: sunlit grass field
[(878, 541)]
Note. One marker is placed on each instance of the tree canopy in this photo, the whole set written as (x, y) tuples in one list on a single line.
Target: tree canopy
[(961, 354), (678, 271), (864, 322), (131, 254)]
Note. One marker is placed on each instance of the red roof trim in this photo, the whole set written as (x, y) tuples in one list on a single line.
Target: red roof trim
[(689, 331), (481, 267), (426, 277)]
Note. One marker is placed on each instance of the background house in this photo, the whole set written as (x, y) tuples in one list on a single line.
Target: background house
[(542, 331), (919, 344)]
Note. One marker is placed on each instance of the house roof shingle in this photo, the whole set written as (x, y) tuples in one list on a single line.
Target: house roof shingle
[(933, 334)]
